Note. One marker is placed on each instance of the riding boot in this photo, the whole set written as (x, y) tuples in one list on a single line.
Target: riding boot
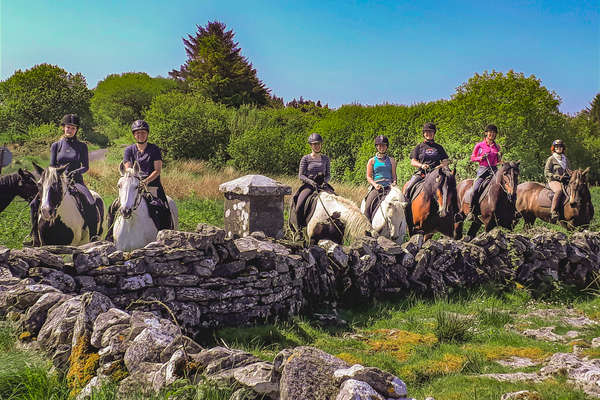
[(556, 201), (91, 219), (112, 212)]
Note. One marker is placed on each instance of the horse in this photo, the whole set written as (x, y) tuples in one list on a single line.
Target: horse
[(533, 202), (60, 222), (336, 218), (21, 183), (133, 227), (389, 219), (497, 202), (434, 208)]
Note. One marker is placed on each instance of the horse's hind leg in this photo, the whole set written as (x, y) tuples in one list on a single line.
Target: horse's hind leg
[(474, 228), (458, 230)]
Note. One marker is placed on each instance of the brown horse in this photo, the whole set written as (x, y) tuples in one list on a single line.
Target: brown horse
[(435, 207), (497, 205), (577, 210)]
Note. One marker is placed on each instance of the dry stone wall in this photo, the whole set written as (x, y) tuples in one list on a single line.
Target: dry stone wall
[(208, 281)]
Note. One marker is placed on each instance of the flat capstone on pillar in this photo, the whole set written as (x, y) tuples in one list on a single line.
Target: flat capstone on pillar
[(254, 203)]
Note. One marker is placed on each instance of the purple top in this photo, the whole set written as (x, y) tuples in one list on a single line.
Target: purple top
[(481, 149), (72, 152), (145, 159)]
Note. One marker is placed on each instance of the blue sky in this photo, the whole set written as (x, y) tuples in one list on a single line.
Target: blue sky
[(338, 52)]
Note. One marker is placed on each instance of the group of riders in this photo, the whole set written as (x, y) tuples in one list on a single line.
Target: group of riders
[(314, 171), (69, 151)]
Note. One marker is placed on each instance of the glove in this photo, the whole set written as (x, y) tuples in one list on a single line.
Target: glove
[(425, 166), (313, 184)]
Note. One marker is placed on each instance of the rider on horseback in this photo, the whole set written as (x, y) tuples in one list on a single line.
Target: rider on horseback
[(425, 156), (487, 153), (381, 173), (314, 172), (558, 173), (149, 158), (73, 153)]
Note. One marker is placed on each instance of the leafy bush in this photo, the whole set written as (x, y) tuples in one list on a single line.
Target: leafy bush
[(189, 126)]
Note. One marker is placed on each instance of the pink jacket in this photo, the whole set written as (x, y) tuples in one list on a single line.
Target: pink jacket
[(483, 148)]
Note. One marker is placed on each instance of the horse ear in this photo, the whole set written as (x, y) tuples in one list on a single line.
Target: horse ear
[(38, 170), (122, 168), (60, 170), (585, 171), (136, 168)]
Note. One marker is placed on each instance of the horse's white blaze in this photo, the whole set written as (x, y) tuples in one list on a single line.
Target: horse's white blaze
[(355, 222), (138, 229)]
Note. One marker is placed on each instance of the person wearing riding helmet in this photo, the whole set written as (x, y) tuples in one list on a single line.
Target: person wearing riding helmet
[(558, 172), (70, 151), (487, 153), (149, 158), (381, 173), (425, 156), (314, 172)]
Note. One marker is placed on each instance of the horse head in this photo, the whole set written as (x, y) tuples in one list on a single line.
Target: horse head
[(442, 183), (129, 186), (507, 178), (393, 208), (52, 188), (26, 185), (578, 187)]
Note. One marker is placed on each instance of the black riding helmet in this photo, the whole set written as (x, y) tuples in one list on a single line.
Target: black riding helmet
[(140, 124), (381, 139), (70, 119), (491, 128), (315, 138), (429, 126), (558, 142)]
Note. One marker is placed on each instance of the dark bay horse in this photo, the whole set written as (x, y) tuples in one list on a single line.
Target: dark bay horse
[(60, 220), (497, 204), (533, 202), (435, 207), (21, 183)]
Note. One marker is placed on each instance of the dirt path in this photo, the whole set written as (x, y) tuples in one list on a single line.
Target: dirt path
[(97, 154)]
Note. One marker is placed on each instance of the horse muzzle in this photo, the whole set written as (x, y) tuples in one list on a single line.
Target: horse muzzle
[(126, 212), (48, 213)]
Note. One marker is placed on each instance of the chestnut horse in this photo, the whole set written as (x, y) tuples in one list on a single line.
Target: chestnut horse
[(497, 204), (435, 207), (577, 209)]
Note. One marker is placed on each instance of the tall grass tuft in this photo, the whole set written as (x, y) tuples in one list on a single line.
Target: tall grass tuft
[(452, 328)]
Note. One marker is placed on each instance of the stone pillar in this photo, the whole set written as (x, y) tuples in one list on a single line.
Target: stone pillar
[(254, 203)]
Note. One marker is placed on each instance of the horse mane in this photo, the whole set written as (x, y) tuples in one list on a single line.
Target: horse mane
[(9, 181), (356, 223)]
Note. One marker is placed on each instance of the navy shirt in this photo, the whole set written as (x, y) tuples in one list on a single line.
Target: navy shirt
[(429, 153), (72, 152), (145, 159)]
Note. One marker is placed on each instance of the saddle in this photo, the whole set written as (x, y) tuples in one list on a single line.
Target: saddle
[(374, 206), (484, 189), (86, 204), (299, 219), (545, 197), (159, 212), (415, 190)]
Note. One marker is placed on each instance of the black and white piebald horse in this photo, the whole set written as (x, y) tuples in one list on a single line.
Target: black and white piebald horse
[(60, 220), (21, 183)]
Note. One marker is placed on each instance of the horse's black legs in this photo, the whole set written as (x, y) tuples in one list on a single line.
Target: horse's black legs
[(34, 208), (112, 211), (474, 228)]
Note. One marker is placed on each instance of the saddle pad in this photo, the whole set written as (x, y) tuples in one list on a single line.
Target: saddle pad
[(374, 206), (416, 190), (545, 197), (485, 185), (159, 212)]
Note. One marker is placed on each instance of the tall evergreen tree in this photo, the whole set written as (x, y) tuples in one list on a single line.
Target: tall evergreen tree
[(216, 69), (594, 109)]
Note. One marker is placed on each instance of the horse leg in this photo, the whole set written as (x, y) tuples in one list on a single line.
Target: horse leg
[(474, 228), (112, 212), (458, 230), (529, 219)]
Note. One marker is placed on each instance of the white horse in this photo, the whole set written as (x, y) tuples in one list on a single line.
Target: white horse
[(335, 218), (389, 219), (133, 227), (59, 220)]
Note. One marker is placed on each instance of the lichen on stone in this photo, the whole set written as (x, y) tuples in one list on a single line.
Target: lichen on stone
[(82, 365)]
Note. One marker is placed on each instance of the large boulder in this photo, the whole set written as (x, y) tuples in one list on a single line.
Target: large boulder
[(147, 346), (36, 315), (308, 373), (383, 382), (56, 335), (114, 316)]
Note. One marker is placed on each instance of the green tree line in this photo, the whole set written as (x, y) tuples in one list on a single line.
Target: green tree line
[(215, 108)]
